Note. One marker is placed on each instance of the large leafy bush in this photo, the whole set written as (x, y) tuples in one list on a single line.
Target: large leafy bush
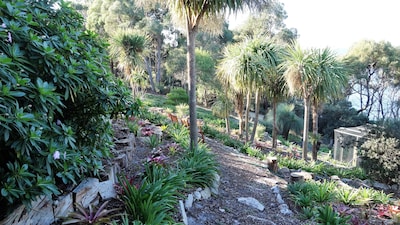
[(56, 99), (380, 158)]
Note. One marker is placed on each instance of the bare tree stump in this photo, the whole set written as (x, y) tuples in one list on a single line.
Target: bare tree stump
[(272, 163), (300, 176)]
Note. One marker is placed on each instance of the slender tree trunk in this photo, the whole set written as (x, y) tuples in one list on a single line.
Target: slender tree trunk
[(147, 61), (253, 134), (314, 109), (228, 126), (239, 111), (246, 122), (159, 60), (306, 126), (191, 36), (274, 127)]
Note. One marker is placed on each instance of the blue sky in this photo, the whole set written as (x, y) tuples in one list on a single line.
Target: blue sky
[(338, 24)]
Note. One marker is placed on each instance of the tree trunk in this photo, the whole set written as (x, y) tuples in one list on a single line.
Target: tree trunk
[(246, 121), (314, 109), (306, 126), (239, 111), (253, 134), (159, 60), (228, 126), (274, 127), (147, 61), (191, 36)]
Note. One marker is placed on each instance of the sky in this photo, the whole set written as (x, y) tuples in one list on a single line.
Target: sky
[(339, 24)]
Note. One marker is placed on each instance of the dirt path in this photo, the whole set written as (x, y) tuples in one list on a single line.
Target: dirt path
[(241, 176)]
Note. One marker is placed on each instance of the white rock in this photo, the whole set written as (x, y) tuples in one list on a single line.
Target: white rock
[(189, 201), (197, 195), (183, 213), (206, 193), (214, 190), (284, 209), (106, 190), (275, 189), (221, 210), (279, 199), (251, 202)]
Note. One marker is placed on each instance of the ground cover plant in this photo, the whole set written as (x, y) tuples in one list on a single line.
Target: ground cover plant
[(326, 202), (57, 97)]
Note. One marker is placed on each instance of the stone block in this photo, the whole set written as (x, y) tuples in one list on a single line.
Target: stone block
[(63, 205), (86, 192), (252, 202), (106, 190)]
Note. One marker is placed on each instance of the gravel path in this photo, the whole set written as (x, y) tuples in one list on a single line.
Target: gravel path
[(241, 176)]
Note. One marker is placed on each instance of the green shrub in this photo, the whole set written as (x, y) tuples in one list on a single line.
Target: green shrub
[(56, 100), (182, 110), (200, 167), (154, 199), (177, 96), (326, 215), (380, 159)]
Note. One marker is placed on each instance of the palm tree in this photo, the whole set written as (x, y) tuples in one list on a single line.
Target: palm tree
[(300, 75), (222, 108), (275, 87), (193, 13), (128, 49), (227, 71), (332, 80)]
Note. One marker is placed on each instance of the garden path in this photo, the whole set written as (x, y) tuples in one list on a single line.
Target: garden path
[(242, 176)]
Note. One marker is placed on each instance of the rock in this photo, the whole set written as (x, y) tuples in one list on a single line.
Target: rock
[(275, 189), (189, 201), (380, 186), (284, 171), (221, 210), (197, 195), (106, 190), (206, 193), (63, 205), (214, 190), (183, 213), (335, 178), (267, 137), (279, 199), (86, 192), (252, 202), (284, 209)]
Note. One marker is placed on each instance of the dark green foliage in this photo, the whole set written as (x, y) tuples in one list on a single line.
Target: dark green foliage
[(322, 168), (56, 99), (224, 138), (152, 201), (326, 215), (177, 96), (200, 167), (340, 114), (380, 158)]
